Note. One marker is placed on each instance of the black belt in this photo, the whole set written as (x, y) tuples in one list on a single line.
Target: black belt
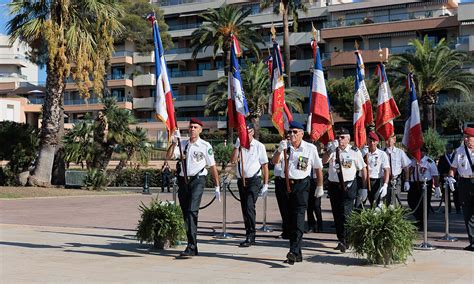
[(297, 181), (375, 179), (250, 178)]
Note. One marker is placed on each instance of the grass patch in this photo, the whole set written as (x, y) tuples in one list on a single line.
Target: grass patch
[(25, 192)]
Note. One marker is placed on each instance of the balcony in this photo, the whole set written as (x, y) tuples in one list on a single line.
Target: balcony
[(348, 57), (407, 22), (188, 6), (13, 59), (298, 65), (144, 103), (184, 77), (465, 43), (466, 12), (92, 104), (190, 100), (122, 57), (144, 80), (139, 57), (120, 80)]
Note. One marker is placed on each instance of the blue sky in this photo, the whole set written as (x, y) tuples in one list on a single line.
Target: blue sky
[(4, 17)]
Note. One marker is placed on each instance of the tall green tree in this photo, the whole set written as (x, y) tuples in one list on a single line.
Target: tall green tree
[(286, 8), (256, 84), (217, 28), (137, 30), (71, 38), (436, 68)]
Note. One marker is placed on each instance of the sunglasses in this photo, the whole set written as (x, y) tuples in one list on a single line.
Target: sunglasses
[(293, 132), (341, 137)]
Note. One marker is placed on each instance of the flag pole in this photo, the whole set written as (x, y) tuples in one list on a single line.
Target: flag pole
[(242, 176)]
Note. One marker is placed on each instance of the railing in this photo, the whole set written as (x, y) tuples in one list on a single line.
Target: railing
[(342, 22), (35, 83), (402, 49), (12, 56), (197, 97), (92, 101), (118, 76), (122, 53), (179, 50), (36, 101), (176, 74), (13, 75), (202, 118), (179, 2), (183, 26)]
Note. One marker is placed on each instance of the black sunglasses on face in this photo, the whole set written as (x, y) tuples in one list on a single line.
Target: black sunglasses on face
[(293, 131)]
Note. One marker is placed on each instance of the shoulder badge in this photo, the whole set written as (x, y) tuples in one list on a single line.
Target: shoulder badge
[(210, 152), (429, 160), (355, 148)]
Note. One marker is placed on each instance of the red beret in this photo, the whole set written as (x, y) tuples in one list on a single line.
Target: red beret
[(373, 136), (469, 131), (196, 121)]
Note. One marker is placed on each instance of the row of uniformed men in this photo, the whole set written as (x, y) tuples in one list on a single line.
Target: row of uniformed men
[(304, 163)]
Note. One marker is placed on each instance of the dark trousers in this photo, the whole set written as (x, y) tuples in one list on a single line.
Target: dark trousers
[(298, 202), (283, 200), (190, 199), (248, 198), (314, 207), (166, 181), (414, 196), (342, 203), (393, 191), (466, 196), (374, 193)]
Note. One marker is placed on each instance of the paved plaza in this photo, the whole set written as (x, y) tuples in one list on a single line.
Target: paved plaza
[(90, 239)]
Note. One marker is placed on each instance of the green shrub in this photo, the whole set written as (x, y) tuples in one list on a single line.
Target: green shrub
[(434, 143), (382, 235), (96, 180), (161, 223)]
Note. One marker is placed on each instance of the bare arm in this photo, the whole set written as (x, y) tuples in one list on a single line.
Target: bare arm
[(364, 177), (452, 172), (265, 173), (235, 156), (325, 157), (319, 177), (436, 181), (215, 175), (276, 157), (386, 175), (406, 171)]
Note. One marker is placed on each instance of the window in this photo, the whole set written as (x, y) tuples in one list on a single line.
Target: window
[(10, 113), (204, 65), (117, 72), (118, 94), (384, 42)]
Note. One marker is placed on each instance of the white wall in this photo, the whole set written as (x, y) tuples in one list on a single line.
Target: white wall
[(10, 110)]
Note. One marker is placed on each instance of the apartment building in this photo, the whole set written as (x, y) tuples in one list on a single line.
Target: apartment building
[(17, 75), (388, 25)]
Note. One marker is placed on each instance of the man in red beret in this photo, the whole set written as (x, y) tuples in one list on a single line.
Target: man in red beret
[(379, 171), (198, 156), (463, 165)]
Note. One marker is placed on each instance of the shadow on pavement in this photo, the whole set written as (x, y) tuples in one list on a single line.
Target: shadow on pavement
[(28, 245)]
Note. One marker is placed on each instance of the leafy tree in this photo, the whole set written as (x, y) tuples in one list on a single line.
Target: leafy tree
[(436, 68), (286, 8), (256, 82), (454, 114), (96, 141), (18, 145), (434, 144), (137, 30), (219, 25), (71, 38)]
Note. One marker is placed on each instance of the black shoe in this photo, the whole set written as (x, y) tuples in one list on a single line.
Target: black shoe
[(249, 241), (319, 228), (341, 247), (469, 248), (189, 252), (291, 258), (310, 229), (284, 236)]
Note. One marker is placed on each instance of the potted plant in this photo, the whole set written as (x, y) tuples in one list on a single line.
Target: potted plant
[(161, 223), (382, 235)]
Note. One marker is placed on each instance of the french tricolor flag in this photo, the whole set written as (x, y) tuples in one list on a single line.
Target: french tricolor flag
[(387, 109), (319, 119), (413, 136), (164, 99), (362, 106), (236, 102)]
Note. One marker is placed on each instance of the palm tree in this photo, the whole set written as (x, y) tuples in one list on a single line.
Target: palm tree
[(436, 68), (219, 25), (72, 38), (256, 82), (286, 8)]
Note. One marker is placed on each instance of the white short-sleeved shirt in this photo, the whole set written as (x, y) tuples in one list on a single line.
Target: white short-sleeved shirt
[(254, 158), (426, 169), (378, 161), (351, 162), (399, 159), (198, 155), (461, 162), (302, 161)]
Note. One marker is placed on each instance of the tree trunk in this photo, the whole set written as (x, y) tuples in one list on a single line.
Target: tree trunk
[(256, 124), (49, 129), (59, 167), (286, 43)]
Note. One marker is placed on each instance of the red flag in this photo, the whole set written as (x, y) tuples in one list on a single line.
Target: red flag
[(277, 105), (319, 121), (387, 109)]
